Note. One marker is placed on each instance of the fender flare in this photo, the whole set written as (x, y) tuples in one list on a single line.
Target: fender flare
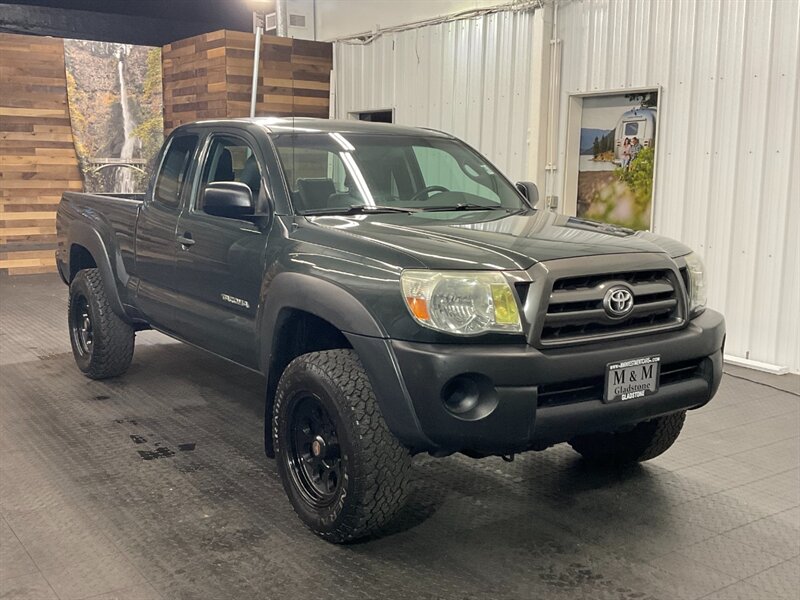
[(318, 297), (82, 234), (341, 309)]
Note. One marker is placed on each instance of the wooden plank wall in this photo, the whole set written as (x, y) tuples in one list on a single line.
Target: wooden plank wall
[(194, 79), (37, 155), (294, 76), (209, 76)]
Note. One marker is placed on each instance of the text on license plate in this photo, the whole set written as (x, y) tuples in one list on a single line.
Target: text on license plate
[(634, 378)]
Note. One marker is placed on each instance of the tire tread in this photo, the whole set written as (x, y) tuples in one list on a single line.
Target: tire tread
[(382, 481), (644, 442), (113, 339)]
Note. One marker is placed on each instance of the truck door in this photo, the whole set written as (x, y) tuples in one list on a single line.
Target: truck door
[(220, 261), (156, 228)]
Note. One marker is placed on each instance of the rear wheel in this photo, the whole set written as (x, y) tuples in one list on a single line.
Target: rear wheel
[(345, 474), (102, 343), (645, 441)]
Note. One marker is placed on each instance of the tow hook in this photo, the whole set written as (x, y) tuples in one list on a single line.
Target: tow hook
[(508, 457)]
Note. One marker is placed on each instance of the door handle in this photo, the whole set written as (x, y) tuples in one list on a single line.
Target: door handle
[(186, 240)]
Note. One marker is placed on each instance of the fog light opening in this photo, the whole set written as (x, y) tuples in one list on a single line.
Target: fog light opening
[(470, 396), (460, 395)]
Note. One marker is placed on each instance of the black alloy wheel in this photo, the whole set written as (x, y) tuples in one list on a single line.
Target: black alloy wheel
[(102, 343), (81, 326), (314, 455), (343, 471)]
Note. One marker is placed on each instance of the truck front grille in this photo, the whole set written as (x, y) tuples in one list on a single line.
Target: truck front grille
[(575, 310)]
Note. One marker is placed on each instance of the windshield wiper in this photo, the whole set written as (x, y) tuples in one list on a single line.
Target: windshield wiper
[(464, 206), (357, 209)]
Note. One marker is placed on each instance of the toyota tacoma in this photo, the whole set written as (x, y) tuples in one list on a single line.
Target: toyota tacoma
[(399, 295)]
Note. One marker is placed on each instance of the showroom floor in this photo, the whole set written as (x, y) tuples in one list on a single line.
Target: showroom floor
[(155, 485)]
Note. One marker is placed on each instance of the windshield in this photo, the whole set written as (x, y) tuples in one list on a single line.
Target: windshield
[(331, 171)]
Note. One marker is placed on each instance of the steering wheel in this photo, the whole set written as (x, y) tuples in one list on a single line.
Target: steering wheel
[(426, 191)]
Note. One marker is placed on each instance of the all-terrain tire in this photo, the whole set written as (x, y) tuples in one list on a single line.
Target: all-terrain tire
[(645, 441), (373, 466), (110, 349)]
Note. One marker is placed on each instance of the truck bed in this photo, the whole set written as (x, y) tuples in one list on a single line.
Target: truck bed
[(112, 216)]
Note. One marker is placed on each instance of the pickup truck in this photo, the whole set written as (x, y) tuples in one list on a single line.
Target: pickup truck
[(399, 296)]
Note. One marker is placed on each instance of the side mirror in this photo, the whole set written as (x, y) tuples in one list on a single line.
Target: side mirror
[(529, 190), (229, 199)]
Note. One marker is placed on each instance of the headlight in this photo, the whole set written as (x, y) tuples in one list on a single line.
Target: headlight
[(697, 283), (461, 302)]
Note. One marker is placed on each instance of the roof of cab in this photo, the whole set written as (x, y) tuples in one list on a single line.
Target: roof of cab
[(312, 125)]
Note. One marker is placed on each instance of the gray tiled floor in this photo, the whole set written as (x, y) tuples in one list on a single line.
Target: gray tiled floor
[(83, 516)]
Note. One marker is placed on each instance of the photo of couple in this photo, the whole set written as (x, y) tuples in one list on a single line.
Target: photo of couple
[(617, 159), (630, 149)]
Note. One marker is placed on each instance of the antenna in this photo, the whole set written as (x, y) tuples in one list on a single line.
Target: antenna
[(256, 72), (294, 131)]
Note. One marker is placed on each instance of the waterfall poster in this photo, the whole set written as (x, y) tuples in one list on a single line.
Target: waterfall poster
[(116, 110)]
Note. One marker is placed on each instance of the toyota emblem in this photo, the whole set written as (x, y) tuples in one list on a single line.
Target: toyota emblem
[(618, 302)]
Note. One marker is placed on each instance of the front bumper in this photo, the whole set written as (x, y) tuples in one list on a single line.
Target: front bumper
[(534, 398)]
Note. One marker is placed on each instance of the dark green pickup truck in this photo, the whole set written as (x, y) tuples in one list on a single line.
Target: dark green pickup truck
[(400, 296)]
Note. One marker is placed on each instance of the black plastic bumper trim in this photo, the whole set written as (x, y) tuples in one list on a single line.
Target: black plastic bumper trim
[(408, 378)]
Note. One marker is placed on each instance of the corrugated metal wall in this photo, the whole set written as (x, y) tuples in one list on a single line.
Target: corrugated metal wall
[(728, 164), (465, 77), (728, 171)]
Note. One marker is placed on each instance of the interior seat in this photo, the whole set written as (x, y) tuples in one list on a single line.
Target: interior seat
[(251, 176), (224, 170), (315, 192)]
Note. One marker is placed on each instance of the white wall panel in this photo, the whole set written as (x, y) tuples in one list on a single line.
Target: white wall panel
[(728, 163), (344, 18), (470, 78), (728, 172)]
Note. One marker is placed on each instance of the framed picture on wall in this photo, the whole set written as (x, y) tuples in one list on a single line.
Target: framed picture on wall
[(611, 167)]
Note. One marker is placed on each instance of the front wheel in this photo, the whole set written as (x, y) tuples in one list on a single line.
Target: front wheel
[(102, 343), (645, 441), (344, 472)]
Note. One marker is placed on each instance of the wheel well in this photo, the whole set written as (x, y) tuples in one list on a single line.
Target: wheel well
[(79, 258), (297, 332)]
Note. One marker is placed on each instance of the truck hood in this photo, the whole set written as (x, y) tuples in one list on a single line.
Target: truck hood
[(479, 239)]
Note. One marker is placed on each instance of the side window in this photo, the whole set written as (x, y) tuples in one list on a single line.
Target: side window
[(231, 159), (174, 169)]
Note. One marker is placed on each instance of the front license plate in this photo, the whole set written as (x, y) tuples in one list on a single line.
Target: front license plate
[(634, 378)]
